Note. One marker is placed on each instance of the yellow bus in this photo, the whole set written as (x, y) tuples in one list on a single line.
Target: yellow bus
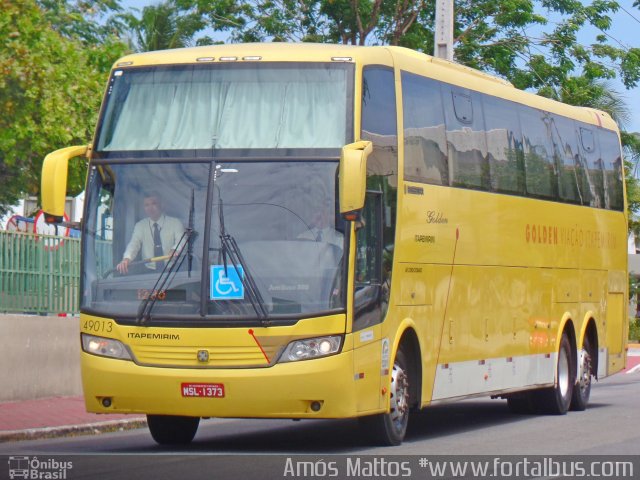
[(318, 231)]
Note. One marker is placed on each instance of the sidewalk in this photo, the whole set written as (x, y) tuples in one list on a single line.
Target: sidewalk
[(66, 416), (57, 417)]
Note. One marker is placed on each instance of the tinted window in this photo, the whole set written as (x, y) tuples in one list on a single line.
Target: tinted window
[(540, 171), (378, 102), (593, 184), (493, 144), (463, 107), (504, 145), (466, 139), (565, 147), (425, 142), (612, 163)]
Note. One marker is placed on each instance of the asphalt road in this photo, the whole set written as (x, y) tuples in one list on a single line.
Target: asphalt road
[(262, 448)]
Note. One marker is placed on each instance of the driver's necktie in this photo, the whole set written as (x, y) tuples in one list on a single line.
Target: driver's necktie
[(157, 244)]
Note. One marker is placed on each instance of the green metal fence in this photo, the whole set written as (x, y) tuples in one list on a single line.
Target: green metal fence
[(39, 273)]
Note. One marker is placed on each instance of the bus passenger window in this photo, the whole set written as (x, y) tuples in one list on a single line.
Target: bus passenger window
[(593, 175), (612, 164), (504, 145), (425, 141), (540, 169), (463, 107), (466, 139), (570, 171)]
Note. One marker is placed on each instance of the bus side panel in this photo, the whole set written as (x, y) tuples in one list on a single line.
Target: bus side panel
[(501, 273), (367, 375), (615, 331)]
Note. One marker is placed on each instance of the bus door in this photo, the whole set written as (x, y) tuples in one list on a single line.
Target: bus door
[(368, 304)]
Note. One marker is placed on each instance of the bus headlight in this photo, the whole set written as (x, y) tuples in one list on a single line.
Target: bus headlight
[(104, 347), (311, 348)]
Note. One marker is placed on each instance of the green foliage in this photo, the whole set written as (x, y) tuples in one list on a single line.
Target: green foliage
[(80, 19), (634, 329), (631, 143), (161, 27), (50, 90)]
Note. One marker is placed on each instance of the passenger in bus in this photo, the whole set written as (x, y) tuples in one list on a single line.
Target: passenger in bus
[(157, 235)]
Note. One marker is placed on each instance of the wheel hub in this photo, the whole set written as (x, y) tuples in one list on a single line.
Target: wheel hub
[(584, 376), (399, 396)]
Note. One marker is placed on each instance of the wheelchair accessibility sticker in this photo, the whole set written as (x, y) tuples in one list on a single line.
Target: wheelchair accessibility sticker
[(229, 286)]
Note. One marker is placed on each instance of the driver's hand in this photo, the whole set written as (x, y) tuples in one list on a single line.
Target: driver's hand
[(123, 266)]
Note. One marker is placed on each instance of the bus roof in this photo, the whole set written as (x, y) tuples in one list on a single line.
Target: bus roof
[(402, 58)]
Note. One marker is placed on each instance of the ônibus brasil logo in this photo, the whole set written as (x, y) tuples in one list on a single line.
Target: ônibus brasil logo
[(38, 469)]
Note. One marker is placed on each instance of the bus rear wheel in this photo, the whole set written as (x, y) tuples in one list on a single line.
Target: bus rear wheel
[(582, 389), (389, 428), (171, 429), (556, 400)]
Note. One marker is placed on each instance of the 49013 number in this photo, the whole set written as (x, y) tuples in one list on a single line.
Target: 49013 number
[(97, 326)]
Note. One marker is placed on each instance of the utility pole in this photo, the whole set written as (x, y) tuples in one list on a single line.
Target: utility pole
[(443, 32)]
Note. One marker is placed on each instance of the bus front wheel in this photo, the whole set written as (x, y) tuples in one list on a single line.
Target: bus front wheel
[(389, 428), (171, 429)]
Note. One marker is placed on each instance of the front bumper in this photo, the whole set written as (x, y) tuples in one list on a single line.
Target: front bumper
[(285, 390)]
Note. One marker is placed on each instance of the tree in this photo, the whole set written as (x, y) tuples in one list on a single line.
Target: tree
[(353, 22), (531, 43), (161, 27), (50, 90), (83, 20)]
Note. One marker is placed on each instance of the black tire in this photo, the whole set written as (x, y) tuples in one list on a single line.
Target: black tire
[(556, 400), (172, 430), (582, 388), (388, 429)]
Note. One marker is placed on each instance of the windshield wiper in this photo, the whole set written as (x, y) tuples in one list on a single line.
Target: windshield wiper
[(170, 269), (190, 239), (230, 248)]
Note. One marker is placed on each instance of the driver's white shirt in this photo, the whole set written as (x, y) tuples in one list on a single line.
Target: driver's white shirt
[(171, 230)]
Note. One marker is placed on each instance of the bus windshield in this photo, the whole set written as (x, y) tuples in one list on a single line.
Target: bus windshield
[(226, 106), (285, 227)]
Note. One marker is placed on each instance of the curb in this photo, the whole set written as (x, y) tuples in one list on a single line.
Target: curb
[(72, 430)]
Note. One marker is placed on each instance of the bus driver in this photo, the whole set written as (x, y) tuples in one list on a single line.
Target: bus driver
[(156, 235)]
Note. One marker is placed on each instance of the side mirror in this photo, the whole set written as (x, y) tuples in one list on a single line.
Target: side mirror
[(352, 178), (53, 185)]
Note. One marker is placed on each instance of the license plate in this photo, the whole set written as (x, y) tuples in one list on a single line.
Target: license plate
[(202, 390)]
